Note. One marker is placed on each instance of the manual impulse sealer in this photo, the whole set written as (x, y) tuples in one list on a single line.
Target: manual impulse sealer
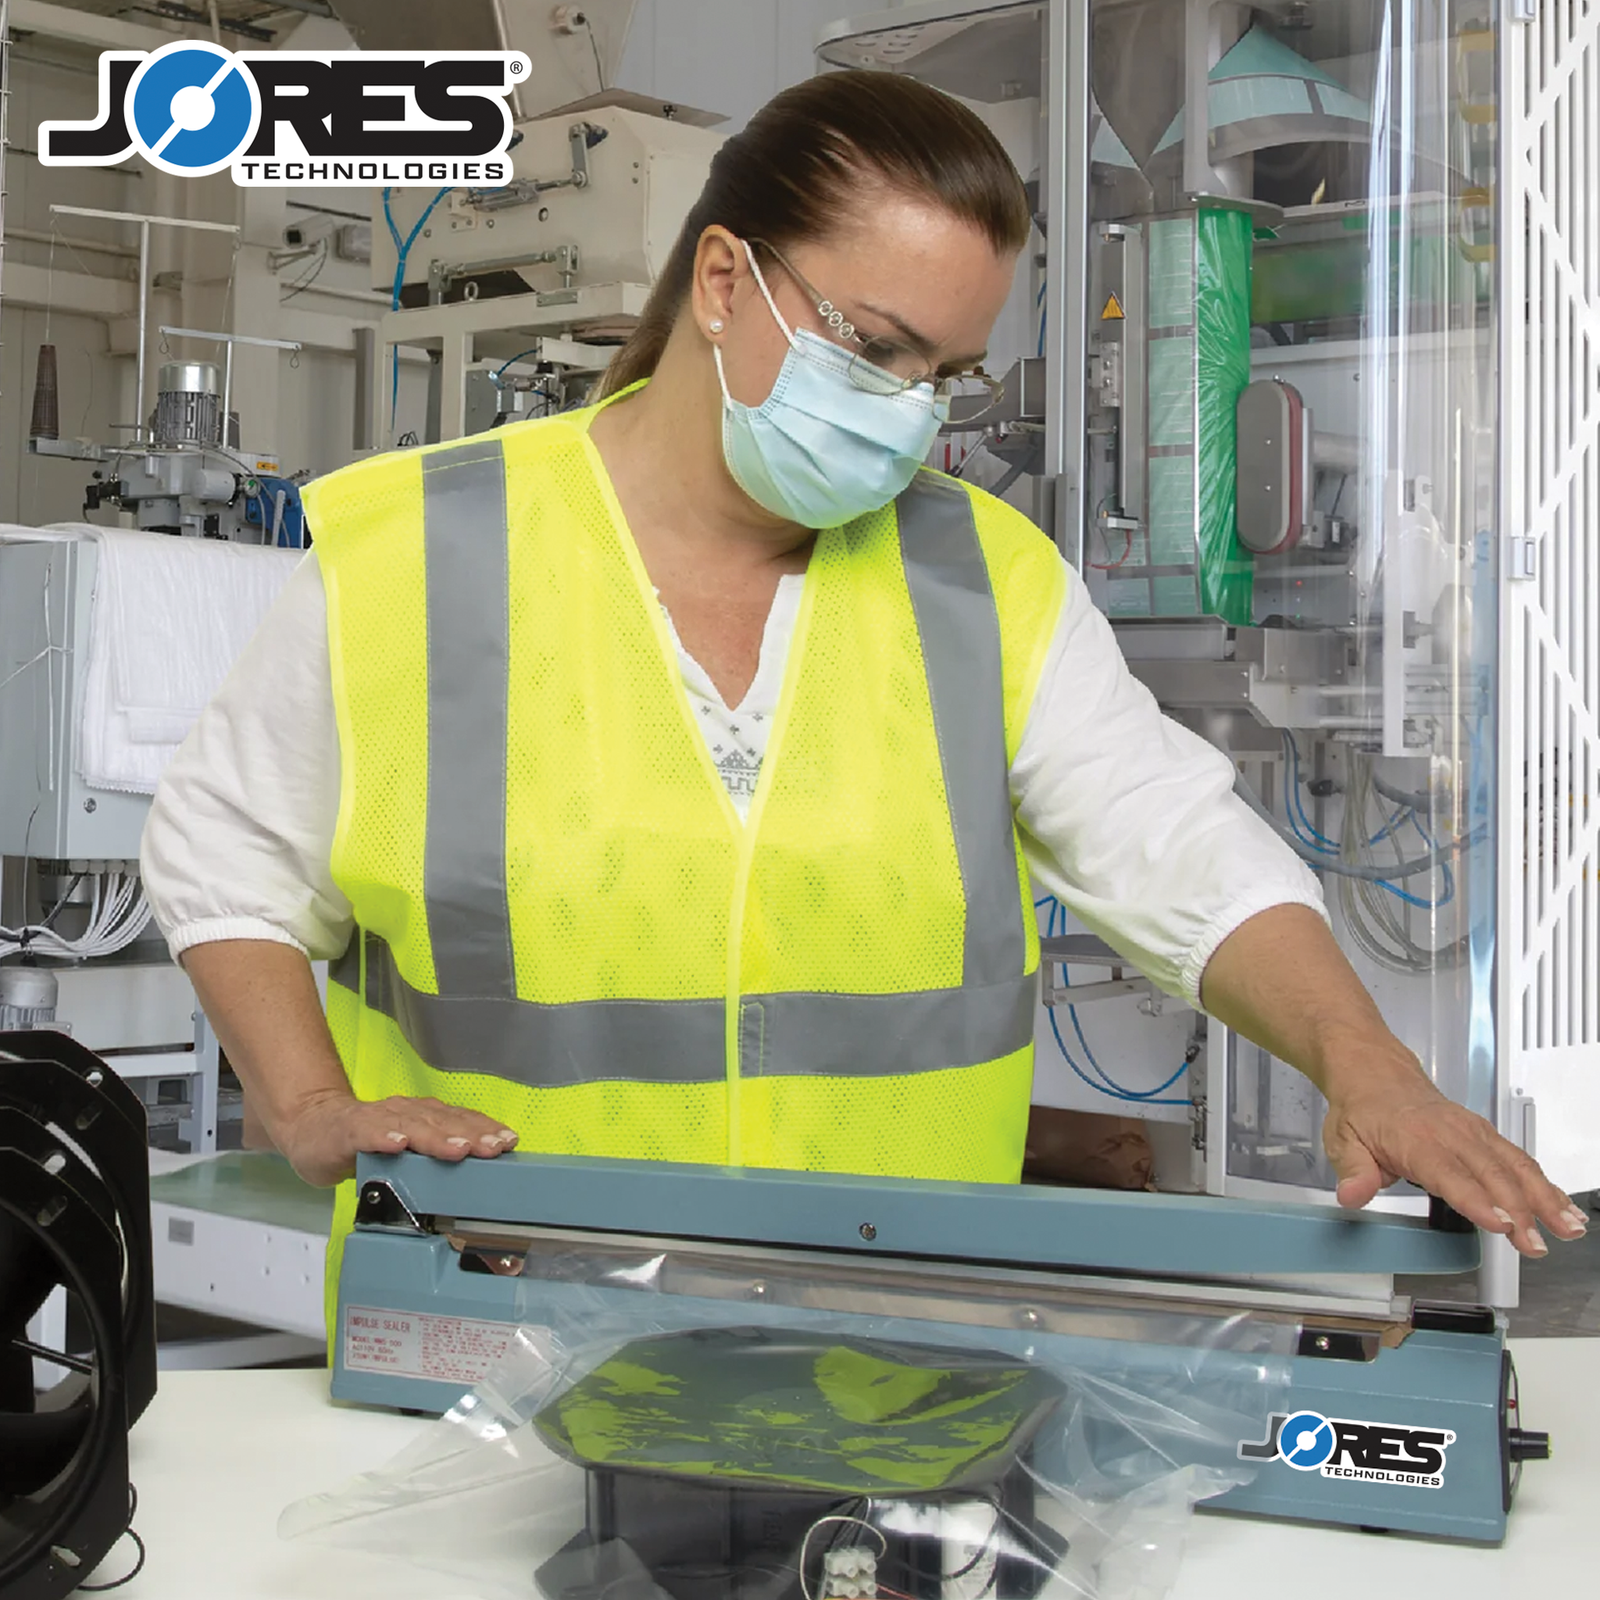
[(1395, 1415)]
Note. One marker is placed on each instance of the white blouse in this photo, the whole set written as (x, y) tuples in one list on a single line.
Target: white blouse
[(1126, 817)]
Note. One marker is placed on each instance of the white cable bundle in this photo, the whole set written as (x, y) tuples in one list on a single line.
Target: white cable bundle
[(118, 914)]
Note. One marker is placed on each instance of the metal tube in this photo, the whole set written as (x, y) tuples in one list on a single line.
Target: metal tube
[(74, 241), (1053, 206), (450, 271), (144, 296), (231, 338), (1066, 185), (227, 386), (1341, 452), (364, 433), (1133, 445), (1499, 1273), (5, 118), (1516, 364), (140, 216), (1198, 177)]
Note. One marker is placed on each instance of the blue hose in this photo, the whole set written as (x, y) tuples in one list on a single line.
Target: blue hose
[(401, 251), (1108, 1085)]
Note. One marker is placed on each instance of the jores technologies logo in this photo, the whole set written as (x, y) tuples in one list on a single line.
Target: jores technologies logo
[(1339, 1447), (290, 117)]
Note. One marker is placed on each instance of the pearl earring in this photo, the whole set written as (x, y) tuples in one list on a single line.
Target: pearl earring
[(716, 324)]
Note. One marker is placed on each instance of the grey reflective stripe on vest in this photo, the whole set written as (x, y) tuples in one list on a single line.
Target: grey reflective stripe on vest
[(469, 686), (346, 969), (477, 1024), (960, 632), (881, 1035), (548, 1046)]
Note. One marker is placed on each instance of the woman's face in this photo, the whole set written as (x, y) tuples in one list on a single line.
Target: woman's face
[(903, 271)]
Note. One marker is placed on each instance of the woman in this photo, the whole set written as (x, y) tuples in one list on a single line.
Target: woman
[(664, 779)]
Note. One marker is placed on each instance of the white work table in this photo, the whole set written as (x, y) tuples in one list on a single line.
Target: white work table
[(219, 1455)]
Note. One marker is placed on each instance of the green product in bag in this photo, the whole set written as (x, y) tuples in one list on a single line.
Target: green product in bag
[(1198, 364), (1223, 245), (762, 1407)]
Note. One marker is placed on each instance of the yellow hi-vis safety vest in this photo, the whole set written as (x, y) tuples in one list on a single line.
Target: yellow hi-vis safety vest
[(562, 921)]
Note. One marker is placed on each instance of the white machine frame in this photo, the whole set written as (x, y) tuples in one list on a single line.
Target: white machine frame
[(1546, 874), (1547, 999)]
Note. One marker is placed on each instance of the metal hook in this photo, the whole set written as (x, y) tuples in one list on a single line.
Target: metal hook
[(294, 360), (164, 347)]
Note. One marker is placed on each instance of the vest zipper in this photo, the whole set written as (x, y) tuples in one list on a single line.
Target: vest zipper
[(747, 844), (744, 832)]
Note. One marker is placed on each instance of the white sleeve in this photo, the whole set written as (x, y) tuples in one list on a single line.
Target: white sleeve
[(239, 840), (1131, 821)]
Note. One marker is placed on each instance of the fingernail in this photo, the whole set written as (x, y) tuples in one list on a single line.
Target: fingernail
[(1536, 1244), (1576, 1219), (458, 1142), (1505, 1217), (395, 1138)]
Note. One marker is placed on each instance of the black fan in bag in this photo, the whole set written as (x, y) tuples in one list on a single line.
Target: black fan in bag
[(74, 1214)]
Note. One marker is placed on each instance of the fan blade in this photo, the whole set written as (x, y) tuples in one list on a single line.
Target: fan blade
[(27, 1275), (34, 1449)]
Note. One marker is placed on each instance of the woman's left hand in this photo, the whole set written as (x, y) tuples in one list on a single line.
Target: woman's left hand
[(1386, 1122), (1280, 980)]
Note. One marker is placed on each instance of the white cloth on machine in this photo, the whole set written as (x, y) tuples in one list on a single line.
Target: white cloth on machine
[(169, 619)]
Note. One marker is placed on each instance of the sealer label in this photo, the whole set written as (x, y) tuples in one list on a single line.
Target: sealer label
[(411, 1344)]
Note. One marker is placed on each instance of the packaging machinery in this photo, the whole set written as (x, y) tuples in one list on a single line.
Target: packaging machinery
[(521, 292), (182, 469), (1314, 424)]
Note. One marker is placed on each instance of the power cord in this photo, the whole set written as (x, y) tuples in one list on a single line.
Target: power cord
[(138, 1544), (594, 46), (402, 249)]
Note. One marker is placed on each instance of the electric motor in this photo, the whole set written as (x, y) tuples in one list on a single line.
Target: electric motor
[(188, 405), (27, 998)]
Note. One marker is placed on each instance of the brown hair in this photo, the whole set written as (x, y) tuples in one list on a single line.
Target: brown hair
[(790, 174)]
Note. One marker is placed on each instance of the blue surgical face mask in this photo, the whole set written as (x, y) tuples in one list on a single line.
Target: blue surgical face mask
[(819, 450)]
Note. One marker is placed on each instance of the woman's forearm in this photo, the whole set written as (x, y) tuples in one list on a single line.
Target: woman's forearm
[(1282, 982), (261, 1000)]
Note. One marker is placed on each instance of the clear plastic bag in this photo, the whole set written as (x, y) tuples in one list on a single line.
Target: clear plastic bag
[(650, 1437)]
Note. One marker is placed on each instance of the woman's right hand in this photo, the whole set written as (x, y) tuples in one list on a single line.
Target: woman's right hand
[(262, 1000), (328, 1131)]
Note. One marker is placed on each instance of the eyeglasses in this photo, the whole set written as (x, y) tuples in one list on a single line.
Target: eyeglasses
[(885, 366)]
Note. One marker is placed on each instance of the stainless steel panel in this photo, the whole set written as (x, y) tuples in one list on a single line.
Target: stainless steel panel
[(1194, 683), (984, 52)]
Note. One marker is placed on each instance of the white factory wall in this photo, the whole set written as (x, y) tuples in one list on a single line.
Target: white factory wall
[(48, 82), (723, 55)]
